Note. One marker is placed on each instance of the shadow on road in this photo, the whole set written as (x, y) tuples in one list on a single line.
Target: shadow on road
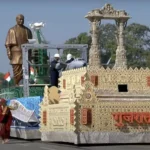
[(21, 141), (65, 144), (92, 145)]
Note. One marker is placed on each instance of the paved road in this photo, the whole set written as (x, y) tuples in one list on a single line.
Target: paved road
[(38, 145)]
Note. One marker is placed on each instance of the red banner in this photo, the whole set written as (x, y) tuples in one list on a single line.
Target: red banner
[(130, 117)]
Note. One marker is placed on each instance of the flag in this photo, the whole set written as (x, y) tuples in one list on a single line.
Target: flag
[(7, 76), (31, 71)]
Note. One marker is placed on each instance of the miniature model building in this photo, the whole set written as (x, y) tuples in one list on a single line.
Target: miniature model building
[(98, 105)]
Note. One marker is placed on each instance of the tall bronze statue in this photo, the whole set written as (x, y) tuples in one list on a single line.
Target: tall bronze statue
[(17, 35)]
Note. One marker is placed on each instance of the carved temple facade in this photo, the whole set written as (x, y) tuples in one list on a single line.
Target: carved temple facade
[(95, 17), (98, 105)]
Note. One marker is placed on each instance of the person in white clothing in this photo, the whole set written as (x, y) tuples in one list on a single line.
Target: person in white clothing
[(69, 58), (74, 63)]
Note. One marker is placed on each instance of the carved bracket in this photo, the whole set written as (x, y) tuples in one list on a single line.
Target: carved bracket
[(118, 21)]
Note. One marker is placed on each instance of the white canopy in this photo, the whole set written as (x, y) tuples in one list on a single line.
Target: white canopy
[(22, 113)]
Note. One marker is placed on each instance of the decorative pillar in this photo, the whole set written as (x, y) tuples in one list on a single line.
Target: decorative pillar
[(121, 60), (94, 53)]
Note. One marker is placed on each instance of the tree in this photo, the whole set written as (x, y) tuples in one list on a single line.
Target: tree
[(108, 44), (138, 45), (82, 38)]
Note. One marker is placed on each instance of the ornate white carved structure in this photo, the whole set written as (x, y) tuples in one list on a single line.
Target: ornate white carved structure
[(98, 105), (95, 17)]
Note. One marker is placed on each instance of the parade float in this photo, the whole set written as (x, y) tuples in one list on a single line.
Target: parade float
[(97, 104), (29, 95)]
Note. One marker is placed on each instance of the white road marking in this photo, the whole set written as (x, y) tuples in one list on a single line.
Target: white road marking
[(47, 148)]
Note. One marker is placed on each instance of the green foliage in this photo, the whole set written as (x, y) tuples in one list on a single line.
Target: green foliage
[(137, 44), (82, 38), (108, 44)]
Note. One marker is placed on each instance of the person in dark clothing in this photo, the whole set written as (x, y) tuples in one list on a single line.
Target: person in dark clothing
[(54, 73), (69, 61)]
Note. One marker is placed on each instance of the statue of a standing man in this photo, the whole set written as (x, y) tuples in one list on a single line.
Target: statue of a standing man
[(17, 35)]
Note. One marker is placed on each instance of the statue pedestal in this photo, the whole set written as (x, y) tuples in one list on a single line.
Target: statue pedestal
[(17, 92)]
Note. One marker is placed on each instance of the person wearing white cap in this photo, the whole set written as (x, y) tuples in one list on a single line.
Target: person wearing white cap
[(54, 73), (69, 58), (57, 56), (74, 63)]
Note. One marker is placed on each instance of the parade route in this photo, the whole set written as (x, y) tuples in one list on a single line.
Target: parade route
[(16, 144)]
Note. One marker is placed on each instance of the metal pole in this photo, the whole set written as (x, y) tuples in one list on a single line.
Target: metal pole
[(25, 68), (85, 52), (58, 51)]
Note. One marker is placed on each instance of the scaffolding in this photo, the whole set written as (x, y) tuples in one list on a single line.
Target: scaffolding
[(43, 47), (39, 57)]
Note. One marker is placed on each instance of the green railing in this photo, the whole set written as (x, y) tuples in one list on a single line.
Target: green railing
[(7, 95)]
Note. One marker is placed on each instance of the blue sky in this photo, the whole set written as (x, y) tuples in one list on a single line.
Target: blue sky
[(64, 18)]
